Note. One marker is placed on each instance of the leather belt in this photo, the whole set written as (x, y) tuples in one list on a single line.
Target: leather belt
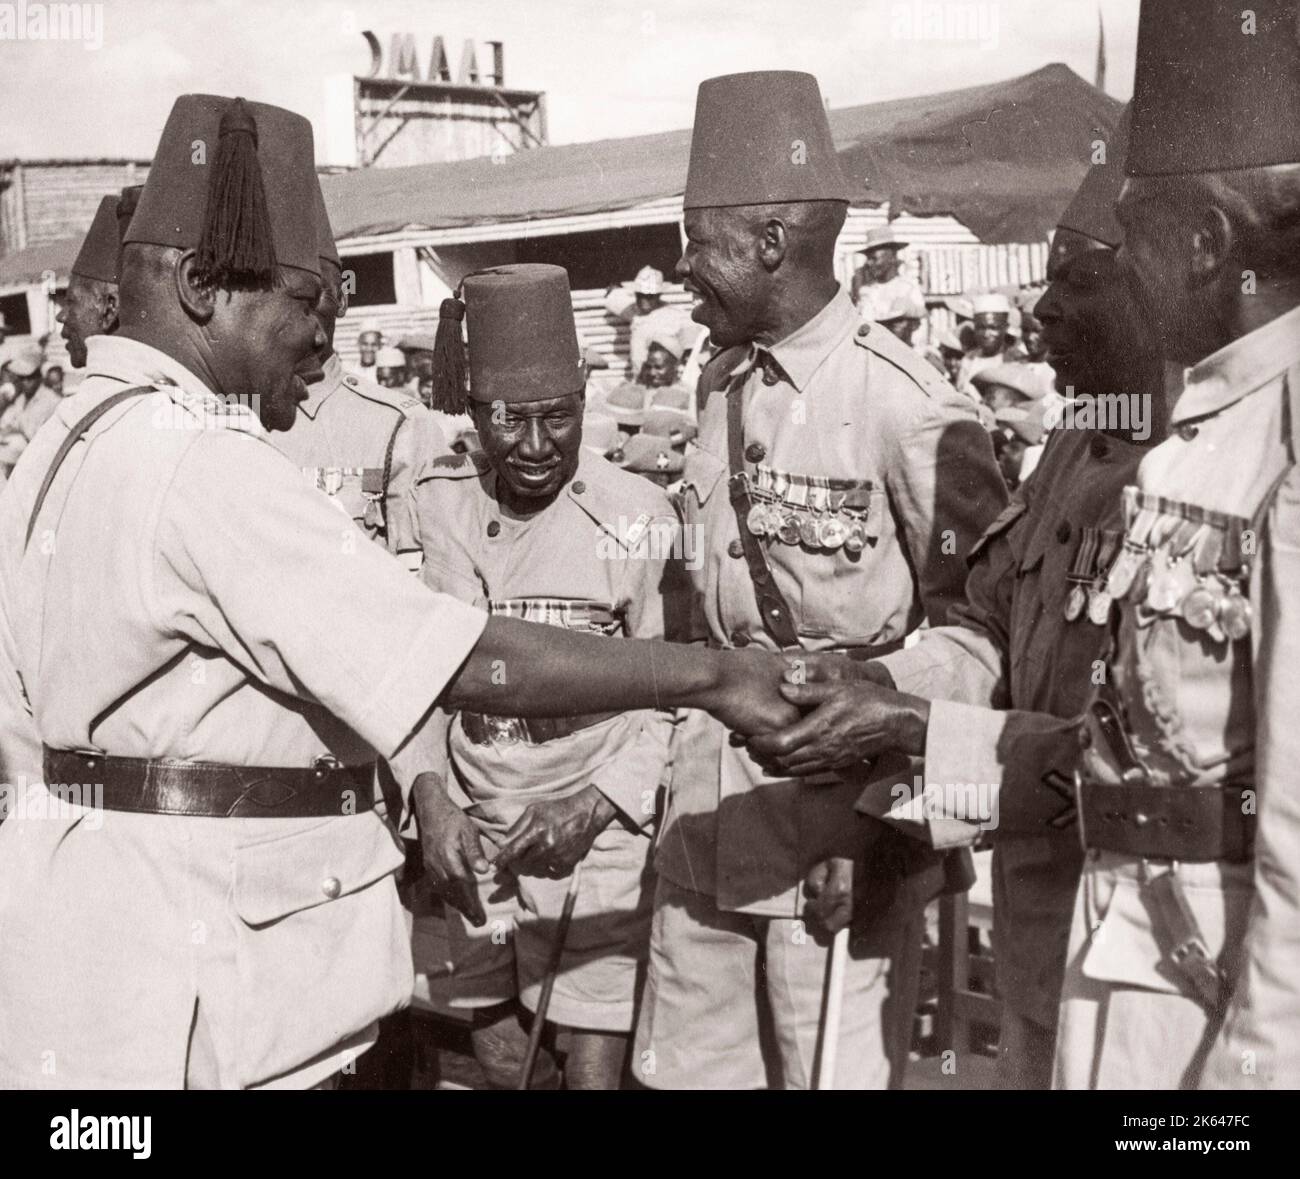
[(482, 729), (1198, 824), (208, 789)]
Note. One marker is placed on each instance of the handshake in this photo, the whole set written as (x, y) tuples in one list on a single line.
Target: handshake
[(803, 715)]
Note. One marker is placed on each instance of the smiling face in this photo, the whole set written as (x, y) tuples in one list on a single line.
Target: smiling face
[(660, 367), (368, 346), (263, 345), (533, 447), (1098, 334), (721, 266)]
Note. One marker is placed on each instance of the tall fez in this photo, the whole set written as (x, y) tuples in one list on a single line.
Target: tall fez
[(523, 345), (1091, 210), (232, 179), (97, 259), (1217, 87), (762, 138)]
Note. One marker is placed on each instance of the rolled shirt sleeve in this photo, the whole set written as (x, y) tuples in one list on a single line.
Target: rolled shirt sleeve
[(289, 589)]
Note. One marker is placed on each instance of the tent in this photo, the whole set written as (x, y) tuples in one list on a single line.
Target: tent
[(1004, 159)]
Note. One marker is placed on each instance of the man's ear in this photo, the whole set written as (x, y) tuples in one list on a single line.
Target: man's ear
[(108, 313), (1212, 245), (773, 243), (198, 298)]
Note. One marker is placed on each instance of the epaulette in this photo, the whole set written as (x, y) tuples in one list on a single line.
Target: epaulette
[(402, 400), (455, 466), (880, 341)]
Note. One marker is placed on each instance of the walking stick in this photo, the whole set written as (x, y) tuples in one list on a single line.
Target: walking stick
[(548, 983), (829, 1032)]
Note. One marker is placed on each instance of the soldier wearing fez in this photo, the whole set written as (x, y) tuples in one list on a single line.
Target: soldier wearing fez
[(837, 484), (90, 303), (1026, 637), (1183, 947), (535, 527), (357, 442), (230, 674)]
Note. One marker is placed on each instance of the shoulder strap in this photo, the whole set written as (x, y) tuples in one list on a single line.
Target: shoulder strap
[(74, 436), (715, 374), (772, 606)]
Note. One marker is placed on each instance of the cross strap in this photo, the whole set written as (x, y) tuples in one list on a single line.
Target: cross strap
[(75, 435), (772, 606)]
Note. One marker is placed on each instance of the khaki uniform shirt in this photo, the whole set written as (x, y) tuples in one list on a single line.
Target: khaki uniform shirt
[(835, 405), (187, 595), (1009, 648), (361, 444), (605, 542)]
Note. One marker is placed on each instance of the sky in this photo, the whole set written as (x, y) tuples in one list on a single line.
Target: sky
[(609, 67)]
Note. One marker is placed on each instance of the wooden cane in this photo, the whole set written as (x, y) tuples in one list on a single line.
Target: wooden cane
[(548, 983), (829, 1032)]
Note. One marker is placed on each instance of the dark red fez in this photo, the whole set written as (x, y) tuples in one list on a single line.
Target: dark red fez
[(1217, 86), (98, 256), (762, 138), (235, 181), (1091, 210), (523, 345)]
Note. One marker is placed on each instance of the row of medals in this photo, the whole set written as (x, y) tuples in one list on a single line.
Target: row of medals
[(1208, 601), (829, 529)]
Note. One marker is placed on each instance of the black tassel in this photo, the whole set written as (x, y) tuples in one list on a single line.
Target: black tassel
[(236, 246), (450, 393)]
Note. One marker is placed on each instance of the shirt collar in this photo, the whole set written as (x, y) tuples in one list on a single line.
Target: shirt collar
[(120, 358), (806, 348), (320, 392), (1237, 369)]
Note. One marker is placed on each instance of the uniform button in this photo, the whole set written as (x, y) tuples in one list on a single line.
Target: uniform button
[(579, 487), (739, 638), (1187, 433), (494, 527), (1140, 820), (735, 549), (864, 330), (331, 887), (756, 452), (1063, 532), (1099, 447), (770, 376)]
